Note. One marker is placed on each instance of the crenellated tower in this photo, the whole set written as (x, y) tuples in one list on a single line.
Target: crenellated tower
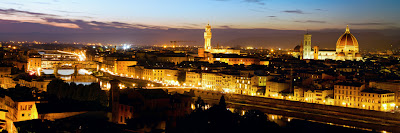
[(207, 38)]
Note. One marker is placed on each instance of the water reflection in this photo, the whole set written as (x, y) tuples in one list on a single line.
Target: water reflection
[(86, 79), (64, 71), (68, 75), (81, 83), (60, 71), (292, 122)]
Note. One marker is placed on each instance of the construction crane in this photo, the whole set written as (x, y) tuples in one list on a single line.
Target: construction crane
[(174, 42)]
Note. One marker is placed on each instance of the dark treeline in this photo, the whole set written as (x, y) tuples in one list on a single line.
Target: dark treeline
[(61, 90)]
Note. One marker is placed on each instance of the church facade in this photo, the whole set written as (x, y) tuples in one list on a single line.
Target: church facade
[(346, 49)]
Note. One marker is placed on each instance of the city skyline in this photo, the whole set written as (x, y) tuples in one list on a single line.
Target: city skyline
[(209, 66), (256, 23)]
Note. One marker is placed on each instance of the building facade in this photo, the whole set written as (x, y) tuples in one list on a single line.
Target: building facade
[(34, 62), (348, 94), (122, 66), (193, 79)]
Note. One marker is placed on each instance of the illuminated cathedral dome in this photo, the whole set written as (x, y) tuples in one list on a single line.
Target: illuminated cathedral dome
[(347, 46), (347, 40), (297, 48)]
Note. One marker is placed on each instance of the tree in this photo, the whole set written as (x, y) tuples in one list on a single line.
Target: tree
[(199, 104), (181, 77), (255, 121), (222, 102), (86, 93)]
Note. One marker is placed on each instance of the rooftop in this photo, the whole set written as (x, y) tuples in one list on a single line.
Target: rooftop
[(44, 108), (356, 84), (126, 60), (376, 90), (172, 55), (230, 56)]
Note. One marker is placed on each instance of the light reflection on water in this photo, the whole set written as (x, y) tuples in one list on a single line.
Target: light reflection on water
[(82, 83), (284, 120), (63, 71), (67, 75)]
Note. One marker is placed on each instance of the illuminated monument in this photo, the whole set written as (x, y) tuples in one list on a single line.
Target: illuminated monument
[(208, 50), (346, 49), (307, 46), (207, 38)]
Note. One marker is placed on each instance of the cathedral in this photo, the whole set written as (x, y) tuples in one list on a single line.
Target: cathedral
[(346, 49)]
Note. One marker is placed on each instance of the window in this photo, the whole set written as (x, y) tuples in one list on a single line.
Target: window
[(23, 115)]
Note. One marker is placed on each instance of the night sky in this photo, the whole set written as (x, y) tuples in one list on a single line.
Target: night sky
[(266, 23)]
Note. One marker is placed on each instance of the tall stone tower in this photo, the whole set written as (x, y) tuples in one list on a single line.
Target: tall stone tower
[(207, 38), (114, 100), (307, 46), (316, 52)]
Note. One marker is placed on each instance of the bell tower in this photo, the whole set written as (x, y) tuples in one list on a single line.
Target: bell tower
[(207, 38), (307, 46)]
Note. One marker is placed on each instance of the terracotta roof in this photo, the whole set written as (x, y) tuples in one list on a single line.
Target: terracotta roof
[(347, 39)]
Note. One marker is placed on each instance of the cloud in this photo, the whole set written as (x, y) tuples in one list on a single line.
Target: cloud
[(33, 17), (66, 11), (255, 1), (294, 11), (191, 24), (371, 24), (224, 27), (44, 3), (256, 10), (318, 9), (96, 25), (311, 21), (2, 21), (55, 20), (272, 16), (20, 12), (248, 1), (12, 3)]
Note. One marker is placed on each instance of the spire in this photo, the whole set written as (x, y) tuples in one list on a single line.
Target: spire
[(347, 29)]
